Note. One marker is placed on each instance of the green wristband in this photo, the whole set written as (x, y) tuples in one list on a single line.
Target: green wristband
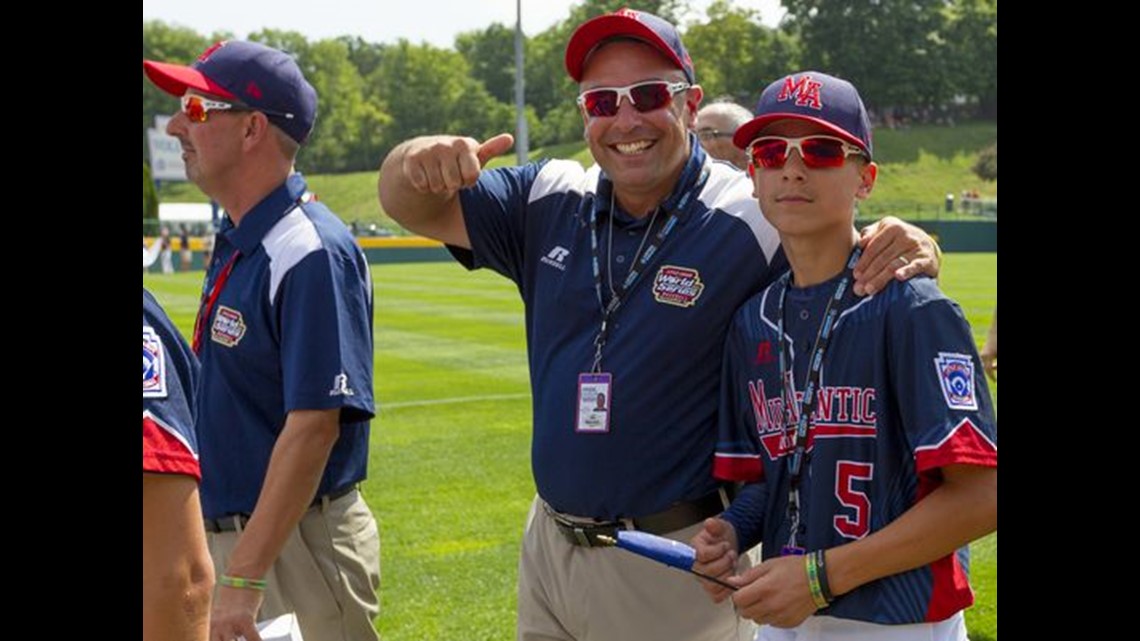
[(241, 582), (813, 581)]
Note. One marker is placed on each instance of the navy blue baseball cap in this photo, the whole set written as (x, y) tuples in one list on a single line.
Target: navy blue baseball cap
[(258, 76), (815, 97), (627, 23)]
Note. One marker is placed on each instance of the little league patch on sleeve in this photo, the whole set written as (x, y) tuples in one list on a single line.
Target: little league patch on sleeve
[(956, 373), (228, 327), (154, 365), (678, 286)]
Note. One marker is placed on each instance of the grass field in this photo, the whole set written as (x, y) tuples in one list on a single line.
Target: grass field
[(450, 478), (919, 166)]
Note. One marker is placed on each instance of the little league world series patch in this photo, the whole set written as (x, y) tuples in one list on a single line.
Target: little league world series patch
[(228, 327), (680, 286), (956, 373), (154, 365)]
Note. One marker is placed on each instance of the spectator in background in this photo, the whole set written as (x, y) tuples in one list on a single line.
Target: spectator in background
[(208, 247), (989, 350), (715, 125), (167, 252), (187, 255)]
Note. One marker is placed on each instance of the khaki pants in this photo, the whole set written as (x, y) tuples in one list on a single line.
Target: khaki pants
[(568, 592), (328, 572)]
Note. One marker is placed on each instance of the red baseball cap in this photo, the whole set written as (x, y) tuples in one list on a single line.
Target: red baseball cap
[(627, 23)]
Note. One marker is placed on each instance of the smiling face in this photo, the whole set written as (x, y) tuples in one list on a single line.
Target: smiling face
[(800, 201), (642, 153)]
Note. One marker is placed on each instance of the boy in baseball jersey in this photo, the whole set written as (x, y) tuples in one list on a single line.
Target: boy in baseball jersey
[(177, 573), (861, 424)]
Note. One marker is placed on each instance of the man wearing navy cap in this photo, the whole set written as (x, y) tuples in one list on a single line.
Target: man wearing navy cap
[(630, 271), (177, 575), (284, 335)]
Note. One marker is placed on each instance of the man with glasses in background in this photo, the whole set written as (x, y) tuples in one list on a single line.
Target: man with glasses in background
[(715, 126), (284, 335), (630, 272)]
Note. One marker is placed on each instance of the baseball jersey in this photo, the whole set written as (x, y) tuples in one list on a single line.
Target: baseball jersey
[(170, 372), (531, 224), (289, 328), (901, 394)]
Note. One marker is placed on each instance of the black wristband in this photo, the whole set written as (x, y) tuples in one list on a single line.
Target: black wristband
[(824, 587)]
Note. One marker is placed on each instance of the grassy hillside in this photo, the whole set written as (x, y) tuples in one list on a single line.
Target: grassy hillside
[(918, 167)]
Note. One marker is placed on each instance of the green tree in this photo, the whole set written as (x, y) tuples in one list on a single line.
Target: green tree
[(971, 34), (547, 85), (420, 87), (349, 128), (893, 50), (150, 198), (490, 53), (365, 56), (734, 54), (986, 165)]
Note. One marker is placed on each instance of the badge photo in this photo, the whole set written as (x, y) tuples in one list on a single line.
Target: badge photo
[(594, 399)]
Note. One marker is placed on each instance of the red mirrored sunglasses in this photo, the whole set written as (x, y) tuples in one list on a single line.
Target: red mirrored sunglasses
[(818, 152), (603, 102), (197, 108)]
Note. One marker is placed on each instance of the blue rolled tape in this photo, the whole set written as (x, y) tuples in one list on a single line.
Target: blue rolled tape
[(672, 553)]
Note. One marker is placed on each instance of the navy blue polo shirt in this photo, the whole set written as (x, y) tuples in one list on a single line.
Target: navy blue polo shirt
[(291, 330), (530, 223)]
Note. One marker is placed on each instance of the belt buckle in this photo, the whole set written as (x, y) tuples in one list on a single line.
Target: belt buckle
[(579, 533)]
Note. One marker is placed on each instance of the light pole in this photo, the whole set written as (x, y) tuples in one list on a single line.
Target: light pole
[(522, 144)]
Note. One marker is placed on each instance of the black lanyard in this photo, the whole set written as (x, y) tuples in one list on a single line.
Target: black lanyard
[(640, 264), (810, 398)]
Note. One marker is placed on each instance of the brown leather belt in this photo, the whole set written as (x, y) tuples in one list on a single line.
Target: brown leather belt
[(231, 522), (678, 516)]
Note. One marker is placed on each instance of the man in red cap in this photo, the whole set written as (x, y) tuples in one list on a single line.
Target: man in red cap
[(284, 335), (630, 271)]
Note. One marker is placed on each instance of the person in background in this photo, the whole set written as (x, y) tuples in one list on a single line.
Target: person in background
[(166, 255), (184, 242), (284, 334), (989, 350), (715, 125)]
